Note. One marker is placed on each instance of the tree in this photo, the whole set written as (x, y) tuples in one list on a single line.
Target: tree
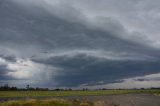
[(27, 87)]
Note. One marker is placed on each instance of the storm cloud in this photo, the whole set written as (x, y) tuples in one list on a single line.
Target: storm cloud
[(75, 43)]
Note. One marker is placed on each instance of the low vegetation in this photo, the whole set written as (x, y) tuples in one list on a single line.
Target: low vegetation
[(72, 93), (54, 102)]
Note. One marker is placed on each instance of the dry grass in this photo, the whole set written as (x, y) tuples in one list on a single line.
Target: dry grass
[(53, 102)]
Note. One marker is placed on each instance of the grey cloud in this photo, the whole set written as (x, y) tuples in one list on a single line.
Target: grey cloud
[(47, 31), (8, 58), (3, 72), (136, 16), (141, 80), (86, 49), (3, 69), (76, 12), (88, 69)]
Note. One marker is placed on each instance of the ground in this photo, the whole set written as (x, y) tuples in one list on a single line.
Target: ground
[(132, 99), (97, 98)]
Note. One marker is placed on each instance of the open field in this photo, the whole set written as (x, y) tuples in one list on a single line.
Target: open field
[(131, 99), (81, 98), (71, 93)]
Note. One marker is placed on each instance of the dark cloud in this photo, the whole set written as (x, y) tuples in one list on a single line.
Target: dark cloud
[(79, 49), (141, 79), (8, 58), (81, 69), (48, 31), (3, 69), (3, 72)]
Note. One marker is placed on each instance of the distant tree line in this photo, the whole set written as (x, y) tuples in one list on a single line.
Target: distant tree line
[(6, 87)]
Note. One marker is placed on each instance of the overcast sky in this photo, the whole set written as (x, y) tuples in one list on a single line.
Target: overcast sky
[(80, 43)]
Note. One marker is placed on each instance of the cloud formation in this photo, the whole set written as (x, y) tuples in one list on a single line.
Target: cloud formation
[(93, 42)]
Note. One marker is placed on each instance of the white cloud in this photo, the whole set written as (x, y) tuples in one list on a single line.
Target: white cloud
[(147, 81), (3, 61), (26, 69)]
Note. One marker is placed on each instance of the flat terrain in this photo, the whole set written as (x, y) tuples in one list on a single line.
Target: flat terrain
[(71, 93), (97, 97), (126, 100), (132, 99)]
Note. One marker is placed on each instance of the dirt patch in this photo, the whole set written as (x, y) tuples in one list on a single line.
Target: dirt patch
[(99, 103)]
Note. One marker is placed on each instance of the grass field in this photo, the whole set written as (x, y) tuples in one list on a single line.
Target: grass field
[(70, 93)]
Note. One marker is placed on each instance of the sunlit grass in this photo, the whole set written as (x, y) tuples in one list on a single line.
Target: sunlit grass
[(70, 93)]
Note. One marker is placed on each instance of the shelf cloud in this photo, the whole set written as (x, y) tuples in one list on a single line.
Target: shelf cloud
[(74, 43)]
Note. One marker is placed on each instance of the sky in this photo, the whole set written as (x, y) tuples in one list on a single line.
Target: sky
[(80, 43)]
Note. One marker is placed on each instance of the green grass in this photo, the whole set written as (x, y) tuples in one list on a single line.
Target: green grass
[(54, 102), (70, 93)]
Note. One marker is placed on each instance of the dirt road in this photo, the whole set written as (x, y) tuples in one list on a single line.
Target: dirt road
[(126, 100)]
